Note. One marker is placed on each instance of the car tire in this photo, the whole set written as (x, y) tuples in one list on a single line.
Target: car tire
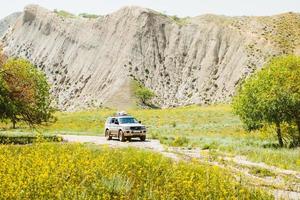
[(143, 138), (121, 136), (107, 135)]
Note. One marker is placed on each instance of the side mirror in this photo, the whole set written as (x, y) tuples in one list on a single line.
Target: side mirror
[(116, 122), (140, 122)]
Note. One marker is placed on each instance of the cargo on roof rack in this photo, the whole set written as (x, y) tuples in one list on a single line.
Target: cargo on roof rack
[(122, 113)]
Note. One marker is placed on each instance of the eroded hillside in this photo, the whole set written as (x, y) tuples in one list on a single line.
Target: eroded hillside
[(7, 22), (91, 62)]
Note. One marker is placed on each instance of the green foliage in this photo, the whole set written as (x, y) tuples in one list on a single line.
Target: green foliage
[(180, 21), (68, 171), (177, 141), (89, 16), (143, 94), (24, 93), (271, 96), (261, 172), (8, 138), (64, 14), (2, 57)]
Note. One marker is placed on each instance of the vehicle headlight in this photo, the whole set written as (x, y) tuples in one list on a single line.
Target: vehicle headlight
[(126, 128)]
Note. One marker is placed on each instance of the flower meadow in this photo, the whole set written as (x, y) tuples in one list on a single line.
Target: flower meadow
[(82, 171)]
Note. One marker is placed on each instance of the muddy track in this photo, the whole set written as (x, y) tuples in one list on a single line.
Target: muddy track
[(284, 184)]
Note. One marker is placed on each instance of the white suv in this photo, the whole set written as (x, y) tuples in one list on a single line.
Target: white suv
[(124, 127)]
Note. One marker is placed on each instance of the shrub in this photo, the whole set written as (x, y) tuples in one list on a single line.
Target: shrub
[(89, 16), (176, 141), (27, 138), (64, 14), (174, 124), (143, 94), (209, 146), (180, 21), (180, 141)]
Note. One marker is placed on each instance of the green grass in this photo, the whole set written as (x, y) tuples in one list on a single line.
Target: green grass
[(282, 158), (207, 127), (73, 171), (261, 172)]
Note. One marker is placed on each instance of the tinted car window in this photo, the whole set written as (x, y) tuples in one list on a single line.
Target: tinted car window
[(112, 120), (128, 120)]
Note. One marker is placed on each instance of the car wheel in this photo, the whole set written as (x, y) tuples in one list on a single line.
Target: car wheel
[(107, 135), (121, 136), (143, 138)]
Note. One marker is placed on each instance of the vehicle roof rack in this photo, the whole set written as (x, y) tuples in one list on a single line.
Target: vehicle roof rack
[(122, 113)]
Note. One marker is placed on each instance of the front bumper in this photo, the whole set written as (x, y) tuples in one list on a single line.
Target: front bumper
[(132, 133)]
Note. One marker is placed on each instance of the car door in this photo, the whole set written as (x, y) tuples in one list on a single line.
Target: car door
[(108, 123), (111, 126), (117, 124)]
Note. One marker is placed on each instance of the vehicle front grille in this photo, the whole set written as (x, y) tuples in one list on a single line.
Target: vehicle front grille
[(136, 128)]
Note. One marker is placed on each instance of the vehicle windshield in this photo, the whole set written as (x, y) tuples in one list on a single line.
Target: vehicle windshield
[(128, 120)]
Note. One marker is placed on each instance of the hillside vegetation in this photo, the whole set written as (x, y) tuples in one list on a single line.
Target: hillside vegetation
[(284, 30), (212, 128)]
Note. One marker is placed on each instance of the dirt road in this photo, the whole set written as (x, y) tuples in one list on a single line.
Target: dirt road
[(153, 145), (285, 184), (148, 144)]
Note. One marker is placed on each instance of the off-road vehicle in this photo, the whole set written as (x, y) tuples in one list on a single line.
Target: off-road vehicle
[(124, 127)]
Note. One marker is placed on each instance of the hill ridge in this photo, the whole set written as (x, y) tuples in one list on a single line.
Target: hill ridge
[(197, 60)]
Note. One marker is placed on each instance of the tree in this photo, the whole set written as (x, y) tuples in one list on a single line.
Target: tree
[(272, 96), (143, 93), (287, 72), (24, 93), (2, 57)]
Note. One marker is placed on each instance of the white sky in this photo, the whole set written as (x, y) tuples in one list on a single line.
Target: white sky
[(180, 8)]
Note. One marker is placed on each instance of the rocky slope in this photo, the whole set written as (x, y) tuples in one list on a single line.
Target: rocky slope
[(91, 62), (8, 21)]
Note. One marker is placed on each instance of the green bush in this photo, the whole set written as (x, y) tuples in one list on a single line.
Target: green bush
[(88, 16), (27, 138), (143, 94), (176, 141), (180, 141), (180, 21), (64, 14)]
